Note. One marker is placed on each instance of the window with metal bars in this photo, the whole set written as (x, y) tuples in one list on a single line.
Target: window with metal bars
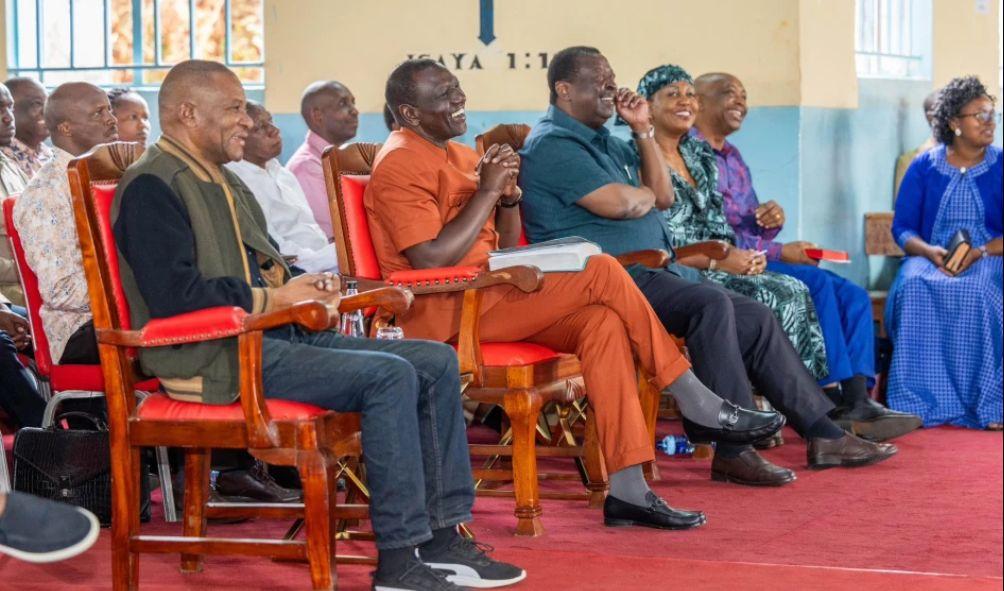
[(893, 39), (132, 42)]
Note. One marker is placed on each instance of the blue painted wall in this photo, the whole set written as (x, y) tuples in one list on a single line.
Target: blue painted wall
[(826, 167)]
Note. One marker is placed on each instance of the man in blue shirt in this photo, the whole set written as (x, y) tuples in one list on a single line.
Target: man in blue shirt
[(578, 180)]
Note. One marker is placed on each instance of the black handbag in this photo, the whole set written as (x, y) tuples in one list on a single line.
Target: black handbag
[(70, 465)]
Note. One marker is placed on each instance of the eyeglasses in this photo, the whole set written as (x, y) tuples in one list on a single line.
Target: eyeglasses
[(982, 116)]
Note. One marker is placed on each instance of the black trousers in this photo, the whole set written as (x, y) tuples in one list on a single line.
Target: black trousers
[(18, 396), (733, 340)]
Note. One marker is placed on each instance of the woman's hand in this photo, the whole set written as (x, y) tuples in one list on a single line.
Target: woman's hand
[(743, 262), (974, 255), (936, 255)]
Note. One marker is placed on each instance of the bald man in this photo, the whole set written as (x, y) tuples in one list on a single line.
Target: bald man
[(181, 218), (844, 309), (329, 110), (27, 149), (78, 117)]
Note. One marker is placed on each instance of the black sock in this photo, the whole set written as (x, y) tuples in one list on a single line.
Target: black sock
[(394, 560), (834, 394), (824, 428), (441, 539), (730, 451), (855, 390)]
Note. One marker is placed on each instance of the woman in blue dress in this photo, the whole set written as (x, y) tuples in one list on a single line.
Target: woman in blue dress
[(946, 328)]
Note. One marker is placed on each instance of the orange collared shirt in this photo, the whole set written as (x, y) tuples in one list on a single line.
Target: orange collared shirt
[(417, 188)]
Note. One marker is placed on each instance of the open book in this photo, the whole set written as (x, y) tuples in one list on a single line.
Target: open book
[(560, 255)]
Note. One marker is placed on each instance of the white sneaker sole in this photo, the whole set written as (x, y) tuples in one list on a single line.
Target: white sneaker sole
[(63, 553), (465, 576)]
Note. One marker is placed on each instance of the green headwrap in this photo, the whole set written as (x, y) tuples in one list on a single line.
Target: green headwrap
[(655, 79)]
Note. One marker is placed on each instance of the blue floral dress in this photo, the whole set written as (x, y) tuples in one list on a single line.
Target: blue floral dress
[(698, 214)]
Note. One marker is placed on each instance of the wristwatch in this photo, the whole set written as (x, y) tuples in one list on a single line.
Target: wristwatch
[(647, 135)]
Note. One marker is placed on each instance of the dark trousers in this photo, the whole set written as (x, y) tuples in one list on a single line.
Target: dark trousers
[(414, 436), (18, 396), (733, 340)]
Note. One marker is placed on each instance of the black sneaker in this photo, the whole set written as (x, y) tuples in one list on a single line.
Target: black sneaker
[(39, 530), (467, 563), (417, 576)]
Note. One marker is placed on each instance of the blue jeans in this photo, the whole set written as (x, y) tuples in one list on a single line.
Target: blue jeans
[(845, 315), (413, 431)]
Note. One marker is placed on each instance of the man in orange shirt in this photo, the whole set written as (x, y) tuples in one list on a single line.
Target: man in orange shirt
[(432, 203)]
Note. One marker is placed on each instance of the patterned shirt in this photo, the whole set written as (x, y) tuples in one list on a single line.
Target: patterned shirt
[(28, 159), (12, 182), (740, 201), (43, 216), (305, 164)]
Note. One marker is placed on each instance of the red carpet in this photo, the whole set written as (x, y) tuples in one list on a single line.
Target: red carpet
[(930, 518)]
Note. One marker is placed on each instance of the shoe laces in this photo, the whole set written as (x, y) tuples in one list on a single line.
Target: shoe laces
[(473, 550)]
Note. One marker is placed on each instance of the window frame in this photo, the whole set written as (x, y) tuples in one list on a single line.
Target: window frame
[(16, 66), (912, 39)]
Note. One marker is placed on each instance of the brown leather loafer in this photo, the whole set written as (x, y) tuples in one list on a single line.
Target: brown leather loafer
[(255, 484), (848, 451), (749, 469)]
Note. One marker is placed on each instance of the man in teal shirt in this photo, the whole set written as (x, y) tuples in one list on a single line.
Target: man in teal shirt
[(578, 180)]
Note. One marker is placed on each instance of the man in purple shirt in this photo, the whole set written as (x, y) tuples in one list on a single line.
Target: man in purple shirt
[(329, 109), (844, 308)]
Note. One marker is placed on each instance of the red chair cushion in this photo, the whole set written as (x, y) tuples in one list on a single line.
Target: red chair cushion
[(103, 195), (89, 378), (32, 297), (359, 239), (512, 354), (434, 275), (159, 407)]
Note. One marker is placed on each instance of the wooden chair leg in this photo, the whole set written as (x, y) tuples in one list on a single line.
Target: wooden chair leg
[(522, 407), (649, 397), (596, 469), (196, 497), (125, 499), (317, 501)]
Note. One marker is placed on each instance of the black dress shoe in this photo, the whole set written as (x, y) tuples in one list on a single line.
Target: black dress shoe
[(736, 425), (254, 484), (848, 451), (750, 469), (870, 420), (617, 513)]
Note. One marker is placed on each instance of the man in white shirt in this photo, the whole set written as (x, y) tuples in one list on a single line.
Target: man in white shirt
[(287, 213)]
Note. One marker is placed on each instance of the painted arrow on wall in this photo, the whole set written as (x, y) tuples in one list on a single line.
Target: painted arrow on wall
[(487, 21)]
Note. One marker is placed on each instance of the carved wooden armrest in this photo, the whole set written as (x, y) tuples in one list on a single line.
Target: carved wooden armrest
[(230, 321), (453, 279), (713, 249), (653, 259)]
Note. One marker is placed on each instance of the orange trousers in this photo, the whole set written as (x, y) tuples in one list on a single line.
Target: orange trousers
[(599, 315)]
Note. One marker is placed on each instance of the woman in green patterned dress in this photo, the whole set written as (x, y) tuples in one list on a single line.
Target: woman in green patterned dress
[(698, 214)]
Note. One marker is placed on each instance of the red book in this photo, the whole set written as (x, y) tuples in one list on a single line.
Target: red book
[(833, 256)]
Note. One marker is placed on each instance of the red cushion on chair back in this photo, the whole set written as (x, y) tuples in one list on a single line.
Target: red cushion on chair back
[(102, 195), (32, 297), (356, 225)]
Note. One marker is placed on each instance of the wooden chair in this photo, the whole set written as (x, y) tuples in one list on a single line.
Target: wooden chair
[(520, 377), (513, 134), (60, 382), (275, 431), (879, 242)]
